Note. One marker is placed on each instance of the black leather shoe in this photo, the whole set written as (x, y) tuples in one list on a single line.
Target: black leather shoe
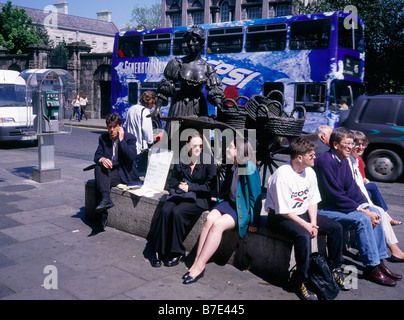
[(395, 259), (173, 261), (375, 275), (388, 272), (185, 275), (155, 260), (104, 220), (188, 279), (104, 205)]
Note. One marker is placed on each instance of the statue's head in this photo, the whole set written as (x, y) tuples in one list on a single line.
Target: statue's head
[(198, 32)]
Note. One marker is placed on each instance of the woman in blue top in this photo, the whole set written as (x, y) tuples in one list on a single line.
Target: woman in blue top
[(239, 205)]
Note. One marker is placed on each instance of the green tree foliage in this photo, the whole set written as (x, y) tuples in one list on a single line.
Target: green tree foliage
[(146, 17), (16, 30), (384, 39), (59, 56)]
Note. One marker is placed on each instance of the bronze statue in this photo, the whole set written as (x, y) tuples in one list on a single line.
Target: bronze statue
[(193, 73)]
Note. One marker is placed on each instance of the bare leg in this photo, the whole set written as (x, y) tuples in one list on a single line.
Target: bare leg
[(210, 219), (211, 243)]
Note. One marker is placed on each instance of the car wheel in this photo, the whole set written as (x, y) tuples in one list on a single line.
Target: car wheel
[(384, 165)]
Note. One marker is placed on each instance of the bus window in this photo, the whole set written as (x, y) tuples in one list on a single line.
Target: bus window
[(347, 90), (348, 40), (180, 44), (268, 37), (312, 96), (156, 44), (313, 34), (225, 40), (129, 46), (270, 86), (133, 92)]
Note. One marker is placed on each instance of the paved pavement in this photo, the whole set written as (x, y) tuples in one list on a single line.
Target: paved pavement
[(47, 253)]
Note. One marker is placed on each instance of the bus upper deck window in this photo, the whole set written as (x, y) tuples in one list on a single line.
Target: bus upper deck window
[(180, 44), (350, 38), (310, 34), (225, 40), (157, 44), (269, 37), (128, 46)]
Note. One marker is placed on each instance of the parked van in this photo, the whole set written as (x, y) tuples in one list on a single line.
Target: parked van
[(381, 118), (16, 118)]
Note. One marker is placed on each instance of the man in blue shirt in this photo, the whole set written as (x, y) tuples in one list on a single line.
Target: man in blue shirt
[(343, 201)]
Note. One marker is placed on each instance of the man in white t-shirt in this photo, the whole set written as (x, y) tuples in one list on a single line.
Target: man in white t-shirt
[(291, 202), (138, 124)]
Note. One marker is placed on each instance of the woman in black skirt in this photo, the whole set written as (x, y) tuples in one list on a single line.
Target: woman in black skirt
[(190, 193), (239, 206)]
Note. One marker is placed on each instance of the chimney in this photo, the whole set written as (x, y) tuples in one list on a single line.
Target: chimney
[(104, 15), (62, 7)]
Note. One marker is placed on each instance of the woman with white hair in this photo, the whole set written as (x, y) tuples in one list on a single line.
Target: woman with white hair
[(360, 140)]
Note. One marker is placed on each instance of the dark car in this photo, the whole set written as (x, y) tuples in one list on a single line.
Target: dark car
[(381, 118)]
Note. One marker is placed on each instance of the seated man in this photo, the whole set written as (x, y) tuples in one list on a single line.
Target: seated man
[(116, 162), (291, 201), (323, 142), (343, 201)]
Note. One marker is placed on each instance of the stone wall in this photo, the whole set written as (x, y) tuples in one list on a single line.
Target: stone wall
[(92, 72)]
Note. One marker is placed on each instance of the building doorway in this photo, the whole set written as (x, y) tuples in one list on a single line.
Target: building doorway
[(105, 87)]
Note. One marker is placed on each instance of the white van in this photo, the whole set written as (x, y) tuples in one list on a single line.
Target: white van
[(16, 118)]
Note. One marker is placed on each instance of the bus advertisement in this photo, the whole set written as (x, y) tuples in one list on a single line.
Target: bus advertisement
[(316, 61)]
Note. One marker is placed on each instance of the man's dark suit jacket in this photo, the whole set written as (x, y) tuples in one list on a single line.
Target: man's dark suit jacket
[(126, 156)]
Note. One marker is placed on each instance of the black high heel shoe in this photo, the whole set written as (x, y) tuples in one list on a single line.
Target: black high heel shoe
[(155, 260), (188, 279)]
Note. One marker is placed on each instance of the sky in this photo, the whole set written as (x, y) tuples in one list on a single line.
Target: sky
[(121, 9)]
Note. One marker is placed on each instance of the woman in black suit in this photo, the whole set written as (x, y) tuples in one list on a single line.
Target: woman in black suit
[(190, 186)]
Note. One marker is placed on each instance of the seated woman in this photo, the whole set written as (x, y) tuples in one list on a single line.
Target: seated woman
[(239, 205), (397, 255), (373, 190), (190, 184)]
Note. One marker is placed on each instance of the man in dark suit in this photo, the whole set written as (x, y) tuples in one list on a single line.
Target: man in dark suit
[(115, 160)]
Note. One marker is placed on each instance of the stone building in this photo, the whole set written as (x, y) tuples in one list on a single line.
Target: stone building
[(189, 12), (90, 45), (98, 33)]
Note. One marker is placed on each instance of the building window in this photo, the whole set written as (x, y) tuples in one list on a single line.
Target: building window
[(224, 11), (197, 17), (283, 10), (254, 13), (175, 20)]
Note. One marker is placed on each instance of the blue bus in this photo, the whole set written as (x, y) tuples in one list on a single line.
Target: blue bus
[(315, 60)]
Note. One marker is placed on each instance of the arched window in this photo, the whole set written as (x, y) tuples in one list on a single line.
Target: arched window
[(197, 12), (224, 11)]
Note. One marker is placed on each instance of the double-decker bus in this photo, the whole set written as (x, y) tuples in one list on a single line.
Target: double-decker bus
[(315, 60)]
